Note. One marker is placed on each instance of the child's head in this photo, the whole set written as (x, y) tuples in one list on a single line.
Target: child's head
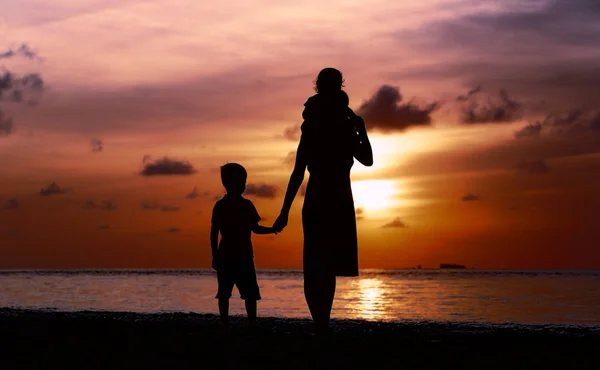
[(233, 177), (329, 80), (345, 100)]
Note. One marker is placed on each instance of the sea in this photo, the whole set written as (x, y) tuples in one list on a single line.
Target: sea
[(564, 297)]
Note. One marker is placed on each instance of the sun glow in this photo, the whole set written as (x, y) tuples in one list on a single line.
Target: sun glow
[(374, 195)]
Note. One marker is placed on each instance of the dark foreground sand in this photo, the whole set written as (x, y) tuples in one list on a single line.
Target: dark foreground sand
[(109, 340)]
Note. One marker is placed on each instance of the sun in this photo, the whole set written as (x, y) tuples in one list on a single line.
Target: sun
[(374, 195)]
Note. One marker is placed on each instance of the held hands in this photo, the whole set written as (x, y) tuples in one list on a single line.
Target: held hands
[(281, 222)]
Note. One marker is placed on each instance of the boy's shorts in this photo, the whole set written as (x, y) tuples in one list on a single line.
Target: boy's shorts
[(241, 273)]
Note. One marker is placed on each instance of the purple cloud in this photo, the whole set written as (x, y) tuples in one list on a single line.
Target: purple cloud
[(168, 166)]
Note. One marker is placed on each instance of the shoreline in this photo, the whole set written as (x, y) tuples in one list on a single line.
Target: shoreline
[(103, 340), (198, 318)]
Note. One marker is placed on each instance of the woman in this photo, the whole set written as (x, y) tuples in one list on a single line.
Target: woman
[(332, 136)]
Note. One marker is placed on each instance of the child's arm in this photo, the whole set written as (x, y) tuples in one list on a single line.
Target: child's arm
[(362, 149), (214, 239), (259, 229), (214, 245), (214, 236)]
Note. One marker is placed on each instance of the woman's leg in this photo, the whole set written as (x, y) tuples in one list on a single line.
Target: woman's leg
[(319, 291), (329, 285)]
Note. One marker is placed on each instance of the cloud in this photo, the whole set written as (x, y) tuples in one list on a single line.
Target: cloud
[(503, 109), (107, 205), (11, 203), (170, 208), (23, 50), (360, 213), (595, 124), (168, 166), (531, 130), (292, 133), (395, 223), (13, 234), (384, 113), (539, 49), (261, 190), (573, 120), (16, 88), (195, 193), (537, 166), (156, 108), (104, 227), (290, 158), (52, 189), (470, 197), (6, 125), (469, 94), (155, 206), (174, 230), (97, 145)]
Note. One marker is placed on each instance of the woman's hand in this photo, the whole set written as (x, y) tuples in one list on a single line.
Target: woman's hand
[(281, 222)]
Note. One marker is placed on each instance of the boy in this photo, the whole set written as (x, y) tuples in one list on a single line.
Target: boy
[(235, 217)]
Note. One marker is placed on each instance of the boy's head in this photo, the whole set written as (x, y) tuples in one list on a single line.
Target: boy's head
[(233, 177)]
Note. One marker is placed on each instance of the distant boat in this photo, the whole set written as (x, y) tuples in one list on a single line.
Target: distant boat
[(451, 266)]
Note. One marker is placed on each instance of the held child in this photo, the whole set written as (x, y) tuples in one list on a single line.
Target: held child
[(331, 104), (235, 218)]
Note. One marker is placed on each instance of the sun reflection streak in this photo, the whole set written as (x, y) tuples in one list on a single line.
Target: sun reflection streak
[(370, 297)]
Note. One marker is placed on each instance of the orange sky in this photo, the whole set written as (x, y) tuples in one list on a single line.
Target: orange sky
[(208, 84)]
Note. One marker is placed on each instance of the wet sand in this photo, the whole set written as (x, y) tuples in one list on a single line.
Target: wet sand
[(111, 340)]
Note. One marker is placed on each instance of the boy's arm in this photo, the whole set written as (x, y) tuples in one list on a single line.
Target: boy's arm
[(214, 239), (214, 231), (259, 229)]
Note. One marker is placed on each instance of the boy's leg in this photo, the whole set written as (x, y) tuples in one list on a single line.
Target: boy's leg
[(248, 287), (225, 282), (251, 310), (224, 310)]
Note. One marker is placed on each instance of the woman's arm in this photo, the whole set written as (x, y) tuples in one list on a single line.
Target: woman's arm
[(362, 149), (294, 184)]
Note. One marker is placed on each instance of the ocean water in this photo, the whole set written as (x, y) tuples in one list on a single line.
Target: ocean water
[(569, 297)]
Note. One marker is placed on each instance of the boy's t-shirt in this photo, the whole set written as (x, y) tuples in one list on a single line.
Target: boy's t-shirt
[(235, 217)]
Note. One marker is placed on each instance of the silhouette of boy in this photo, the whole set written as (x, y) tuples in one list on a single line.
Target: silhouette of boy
[(235, 217)]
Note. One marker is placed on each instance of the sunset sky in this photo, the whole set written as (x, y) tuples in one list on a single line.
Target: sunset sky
[(484, 118)]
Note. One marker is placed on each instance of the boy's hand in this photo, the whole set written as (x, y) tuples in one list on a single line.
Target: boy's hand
[(215, 263)]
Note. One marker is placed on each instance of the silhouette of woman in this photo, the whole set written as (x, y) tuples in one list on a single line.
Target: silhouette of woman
[(332, 136)]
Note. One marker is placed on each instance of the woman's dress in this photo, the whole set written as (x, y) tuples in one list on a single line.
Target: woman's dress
[(328, 215)]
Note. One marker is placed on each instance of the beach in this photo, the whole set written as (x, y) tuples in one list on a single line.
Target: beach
[(39, 339)]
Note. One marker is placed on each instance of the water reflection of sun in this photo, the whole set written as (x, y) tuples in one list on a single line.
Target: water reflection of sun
[(370, 297)]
